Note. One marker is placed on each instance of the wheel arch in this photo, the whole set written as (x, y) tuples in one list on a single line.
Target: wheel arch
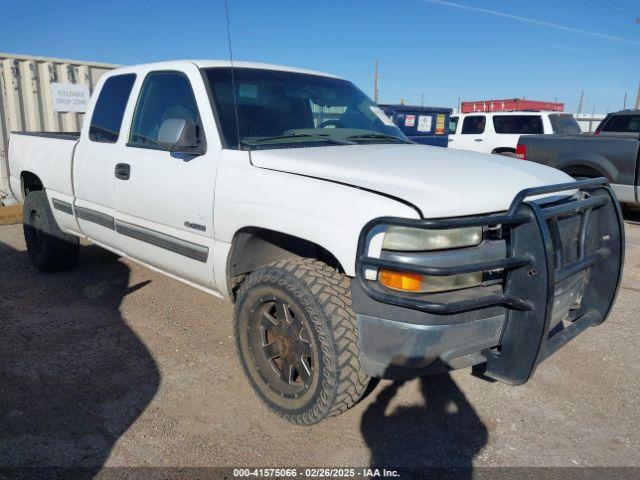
[(30, 182), (589, 164), (583, 170), (503, 150), (253, 247)]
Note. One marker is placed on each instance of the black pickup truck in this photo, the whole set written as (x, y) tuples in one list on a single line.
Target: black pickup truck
[(611, 152)]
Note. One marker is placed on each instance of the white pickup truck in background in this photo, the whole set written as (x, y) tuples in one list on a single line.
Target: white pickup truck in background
[(349, 252)]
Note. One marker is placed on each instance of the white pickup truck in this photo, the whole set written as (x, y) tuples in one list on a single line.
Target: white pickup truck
[(349, 252)]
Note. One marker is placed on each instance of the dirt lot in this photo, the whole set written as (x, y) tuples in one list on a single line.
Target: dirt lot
[(113, 364)]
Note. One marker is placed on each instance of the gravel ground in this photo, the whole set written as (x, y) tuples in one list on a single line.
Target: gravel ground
[(113, 364)]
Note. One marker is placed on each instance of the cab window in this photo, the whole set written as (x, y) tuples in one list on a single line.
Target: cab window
[(109, 110), (164, 95), (474, 124)]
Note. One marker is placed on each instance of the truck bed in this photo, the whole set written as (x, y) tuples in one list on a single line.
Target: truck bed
[(610, 155), (50, 154), (58, 135)]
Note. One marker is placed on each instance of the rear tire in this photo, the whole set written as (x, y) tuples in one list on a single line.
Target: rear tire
[(49, 248), (297, 340)]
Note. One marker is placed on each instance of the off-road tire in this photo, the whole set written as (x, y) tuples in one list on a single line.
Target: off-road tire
[(49, 248), (324, 298)]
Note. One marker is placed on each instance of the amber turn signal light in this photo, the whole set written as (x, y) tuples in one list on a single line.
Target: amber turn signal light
[(416, 283), (404, 281)]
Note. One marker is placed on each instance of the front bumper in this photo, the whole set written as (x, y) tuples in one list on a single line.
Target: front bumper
[(560, 275)]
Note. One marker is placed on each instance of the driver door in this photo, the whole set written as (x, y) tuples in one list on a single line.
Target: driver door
[(164, 200)]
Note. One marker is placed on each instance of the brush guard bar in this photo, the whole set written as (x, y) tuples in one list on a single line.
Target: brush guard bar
[(535, 266)]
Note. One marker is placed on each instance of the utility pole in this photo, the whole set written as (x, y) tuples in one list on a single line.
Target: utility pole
[(581, 99), (638, 98), (624, 104), (375, 82)]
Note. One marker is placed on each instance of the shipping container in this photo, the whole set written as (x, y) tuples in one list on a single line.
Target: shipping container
[(425, 125), (509, 105), (41, 94)]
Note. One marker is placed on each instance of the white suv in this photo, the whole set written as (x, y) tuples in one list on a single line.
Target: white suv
[(498, 132)]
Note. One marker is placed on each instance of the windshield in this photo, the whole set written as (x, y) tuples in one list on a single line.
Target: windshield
[(564, 124), (285, 109)]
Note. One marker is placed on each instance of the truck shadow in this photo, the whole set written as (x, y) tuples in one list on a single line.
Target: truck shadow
[(73, 375), (438, 439)]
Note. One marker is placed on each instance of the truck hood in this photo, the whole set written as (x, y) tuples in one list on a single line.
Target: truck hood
[(438, 181)]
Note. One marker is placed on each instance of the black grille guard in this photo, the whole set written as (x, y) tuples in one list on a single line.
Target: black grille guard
[(533, 267)]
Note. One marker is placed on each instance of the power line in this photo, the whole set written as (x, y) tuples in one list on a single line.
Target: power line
[(626, 10), (620, 6)]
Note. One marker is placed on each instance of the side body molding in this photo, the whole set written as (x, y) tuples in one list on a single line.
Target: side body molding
[(147, 235)]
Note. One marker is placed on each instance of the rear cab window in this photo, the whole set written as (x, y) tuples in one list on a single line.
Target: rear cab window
[(622, 124), (518, 124), (474, 124), (106, 120)]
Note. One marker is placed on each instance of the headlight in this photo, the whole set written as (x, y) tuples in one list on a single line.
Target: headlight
[(417, 283), (418, 239)]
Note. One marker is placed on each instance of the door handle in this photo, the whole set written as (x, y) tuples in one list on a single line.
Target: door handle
[(477, 140), (123, 171)]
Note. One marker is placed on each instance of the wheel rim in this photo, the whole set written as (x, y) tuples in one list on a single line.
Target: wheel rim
[(282, 347), (38, 236)]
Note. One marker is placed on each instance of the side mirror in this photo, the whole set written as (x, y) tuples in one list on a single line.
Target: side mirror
[(180, 135)]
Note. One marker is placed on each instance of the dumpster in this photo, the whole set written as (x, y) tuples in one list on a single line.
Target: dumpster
[(425, 125)]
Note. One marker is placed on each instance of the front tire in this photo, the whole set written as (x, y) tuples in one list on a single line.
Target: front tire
[(297, 340), (49, 248)]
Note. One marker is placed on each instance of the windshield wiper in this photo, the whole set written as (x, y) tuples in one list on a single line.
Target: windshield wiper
[(377, 136), (310, 136)]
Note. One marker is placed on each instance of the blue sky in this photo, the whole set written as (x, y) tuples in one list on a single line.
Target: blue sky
[(539, 49)]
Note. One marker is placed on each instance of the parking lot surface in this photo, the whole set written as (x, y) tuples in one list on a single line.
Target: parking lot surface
[(113, 364)]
